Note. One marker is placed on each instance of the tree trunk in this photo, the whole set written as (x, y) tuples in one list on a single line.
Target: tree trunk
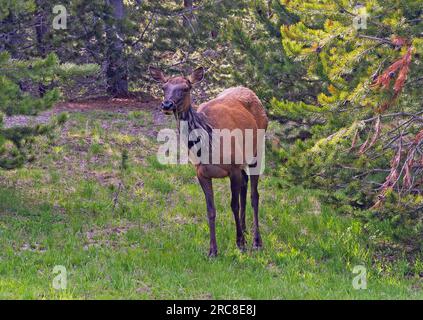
[(11, 39), (40, 31), (187, 17), (117, 75)]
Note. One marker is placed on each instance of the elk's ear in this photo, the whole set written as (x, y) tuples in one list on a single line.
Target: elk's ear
[(197, 75), (157, 74)]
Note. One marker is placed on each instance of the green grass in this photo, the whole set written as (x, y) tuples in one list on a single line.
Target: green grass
[(143, 234)]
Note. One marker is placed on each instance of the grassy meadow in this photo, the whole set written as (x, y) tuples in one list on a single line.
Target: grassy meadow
[(134, 228)]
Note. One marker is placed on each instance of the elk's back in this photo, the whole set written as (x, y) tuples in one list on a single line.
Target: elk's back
[(236, 96)]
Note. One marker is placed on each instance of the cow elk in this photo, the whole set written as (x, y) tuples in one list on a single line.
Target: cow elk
[(235, 108)]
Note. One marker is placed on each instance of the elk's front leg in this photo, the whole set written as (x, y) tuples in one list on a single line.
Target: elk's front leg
[(207, 186)]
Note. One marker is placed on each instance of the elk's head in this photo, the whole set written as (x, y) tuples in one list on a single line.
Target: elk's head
[(177, 90)]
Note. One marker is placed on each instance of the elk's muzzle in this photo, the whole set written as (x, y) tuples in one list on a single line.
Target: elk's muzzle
[(168, 106)]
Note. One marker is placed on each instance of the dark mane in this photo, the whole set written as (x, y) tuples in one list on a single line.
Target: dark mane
[(197, 120)]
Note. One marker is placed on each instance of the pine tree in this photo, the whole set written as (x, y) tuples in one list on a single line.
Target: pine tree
[(117, 73), (21, 71), (263, 64), (125, 37), (368, 150)]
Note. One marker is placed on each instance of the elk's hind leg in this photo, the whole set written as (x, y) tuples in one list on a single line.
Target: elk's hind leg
[(236, 182), (244, 190), (257, 242), (207, 186)]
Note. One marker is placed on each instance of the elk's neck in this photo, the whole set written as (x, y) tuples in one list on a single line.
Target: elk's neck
[(194, 121)]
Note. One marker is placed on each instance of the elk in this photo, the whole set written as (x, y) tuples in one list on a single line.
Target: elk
[(234, 108)]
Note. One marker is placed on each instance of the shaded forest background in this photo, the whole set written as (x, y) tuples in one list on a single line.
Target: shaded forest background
[(340, 79)]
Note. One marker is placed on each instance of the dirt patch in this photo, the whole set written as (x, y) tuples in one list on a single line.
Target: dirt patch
[(24, 121), (33, 247), (144, 290), (109, 104), (108, 237), (146, 103)]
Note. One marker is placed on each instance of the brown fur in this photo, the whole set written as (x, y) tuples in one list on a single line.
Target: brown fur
[(234, 108)]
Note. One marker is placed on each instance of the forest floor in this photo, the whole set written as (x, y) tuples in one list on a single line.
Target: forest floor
[(142, 233)]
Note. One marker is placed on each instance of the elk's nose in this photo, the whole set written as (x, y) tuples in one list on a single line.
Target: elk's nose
[(168, 105)]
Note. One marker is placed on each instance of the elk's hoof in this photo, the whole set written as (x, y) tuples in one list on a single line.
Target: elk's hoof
[(257, 247), (257, 244), (212, 253), (241, 244)]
